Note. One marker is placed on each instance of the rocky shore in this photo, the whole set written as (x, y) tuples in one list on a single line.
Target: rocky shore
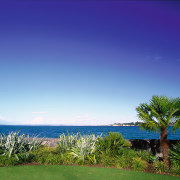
[(51, 142), (152, 145)]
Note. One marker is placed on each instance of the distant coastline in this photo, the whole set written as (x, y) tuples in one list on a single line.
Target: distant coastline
[(127, 124)]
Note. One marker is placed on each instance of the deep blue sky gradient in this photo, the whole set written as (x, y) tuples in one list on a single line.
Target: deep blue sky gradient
[(86, 62)]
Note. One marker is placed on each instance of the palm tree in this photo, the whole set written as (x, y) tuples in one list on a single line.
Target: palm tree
[(158, 115)]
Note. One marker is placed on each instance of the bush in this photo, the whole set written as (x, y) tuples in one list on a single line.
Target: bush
[(79, 147), (18, 146), (47, 155), (126, 157), (84, 148), (67, 159), (144, 155), (138, 164), (67, 142), (6, 161), (129, 158), (175, 169), (160, 167), (123, 162), (53, 159), (111, 144), (174, 154), (107, 161)]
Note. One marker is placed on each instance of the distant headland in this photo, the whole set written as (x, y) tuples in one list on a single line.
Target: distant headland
[(127, 124)]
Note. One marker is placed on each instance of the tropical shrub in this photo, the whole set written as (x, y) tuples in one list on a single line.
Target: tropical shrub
[(6, 161), (47, 155), (129, 158), (67, 142), (174, 154), (79, 147), (67, 159), (152, 158), (91, 159), (160, 167), (106, 160), (18, 146), (84, 148), (138, 164), (123, 162), (175, 169), (145, 155), (111, 144), (125, 157)]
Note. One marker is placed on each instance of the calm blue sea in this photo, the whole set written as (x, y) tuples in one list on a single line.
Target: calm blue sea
[(129, 132)]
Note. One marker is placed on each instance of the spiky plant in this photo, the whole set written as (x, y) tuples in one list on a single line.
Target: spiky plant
[(17, 145), (66, 142), (85, 147), (78, 146)]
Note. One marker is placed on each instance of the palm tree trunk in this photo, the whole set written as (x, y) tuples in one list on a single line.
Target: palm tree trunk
[(164, 145)]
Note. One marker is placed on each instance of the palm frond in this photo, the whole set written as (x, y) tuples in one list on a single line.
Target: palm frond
[(160, 113)]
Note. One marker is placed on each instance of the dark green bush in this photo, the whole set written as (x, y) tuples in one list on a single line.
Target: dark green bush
[(125, 157), (53, 159), (67, 159), (107, 161), (123, 162), (111, 144), (175, 169), (6, 161), (144, 155), (46, 155), (129, 158), (174, 154)]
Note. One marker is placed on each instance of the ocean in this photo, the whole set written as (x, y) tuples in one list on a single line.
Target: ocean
[(128, 132)]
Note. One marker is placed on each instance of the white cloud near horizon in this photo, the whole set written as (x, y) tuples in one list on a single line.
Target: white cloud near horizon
[(37, 120), (85, 116), (2, 118), (38, 112)]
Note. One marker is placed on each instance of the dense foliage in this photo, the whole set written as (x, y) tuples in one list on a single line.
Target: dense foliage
[(112, 144), (174, 154), (108, 151), (78, 146), (17, 146)]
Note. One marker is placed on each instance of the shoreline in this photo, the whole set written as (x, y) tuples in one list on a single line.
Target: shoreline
[(143, 144)]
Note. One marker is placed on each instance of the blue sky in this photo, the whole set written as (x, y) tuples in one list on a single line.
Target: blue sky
[(86, 62)]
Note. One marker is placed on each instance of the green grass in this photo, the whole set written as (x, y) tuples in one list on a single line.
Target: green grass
[(55, 172)]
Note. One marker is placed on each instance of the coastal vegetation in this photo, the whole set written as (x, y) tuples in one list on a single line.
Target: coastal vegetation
[(158, 115), (111, 150)]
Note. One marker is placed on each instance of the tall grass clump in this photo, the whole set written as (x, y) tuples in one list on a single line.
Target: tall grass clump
[(67, 142), (18, 145), (79, 147)]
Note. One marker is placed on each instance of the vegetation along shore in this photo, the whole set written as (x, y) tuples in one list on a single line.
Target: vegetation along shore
[(111, 150)]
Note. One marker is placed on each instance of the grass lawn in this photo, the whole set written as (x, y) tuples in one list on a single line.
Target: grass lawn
[(55, 172)]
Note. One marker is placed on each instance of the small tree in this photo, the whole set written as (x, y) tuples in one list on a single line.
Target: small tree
[(158, 115)]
